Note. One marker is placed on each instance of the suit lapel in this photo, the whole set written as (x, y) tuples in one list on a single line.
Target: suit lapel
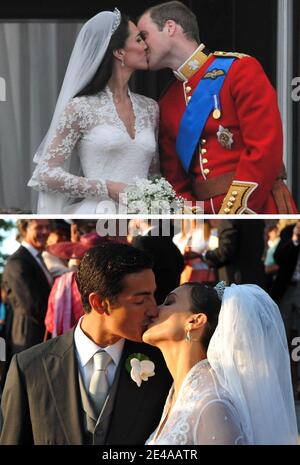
[(128, 401), (62, 375), (27, 256)]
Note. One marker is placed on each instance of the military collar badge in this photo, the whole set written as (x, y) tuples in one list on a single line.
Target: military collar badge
[(194, 65)]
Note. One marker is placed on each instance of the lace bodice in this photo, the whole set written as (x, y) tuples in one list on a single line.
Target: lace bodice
[(202, 414), (91, 129)]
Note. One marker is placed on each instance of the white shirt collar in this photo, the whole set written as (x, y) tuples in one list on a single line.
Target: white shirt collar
[(35, 252), (86, 348)]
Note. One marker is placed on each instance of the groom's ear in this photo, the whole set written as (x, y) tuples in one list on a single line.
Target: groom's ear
[(170, 27), (97, 303)]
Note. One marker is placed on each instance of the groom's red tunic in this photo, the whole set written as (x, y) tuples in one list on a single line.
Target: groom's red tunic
[(244, 175)]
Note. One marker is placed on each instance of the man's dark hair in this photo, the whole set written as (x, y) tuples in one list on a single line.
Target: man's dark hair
[(205, 299), (104, 268), (104, 72), (179, 13)]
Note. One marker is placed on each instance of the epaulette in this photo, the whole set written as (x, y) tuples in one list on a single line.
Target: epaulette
[(231, 54)]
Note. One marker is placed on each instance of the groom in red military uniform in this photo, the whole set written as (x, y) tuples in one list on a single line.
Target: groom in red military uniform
[(220, 127)]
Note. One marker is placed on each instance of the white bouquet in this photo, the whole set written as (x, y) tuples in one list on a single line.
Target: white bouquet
[(152, 196)]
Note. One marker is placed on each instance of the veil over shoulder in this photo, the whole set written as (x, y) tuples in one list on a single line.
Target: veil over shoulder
[(87, 55), (249, 354)]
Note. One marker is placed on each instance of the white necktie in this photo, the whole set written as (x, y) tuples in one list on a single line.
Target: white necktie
[(99, 385)]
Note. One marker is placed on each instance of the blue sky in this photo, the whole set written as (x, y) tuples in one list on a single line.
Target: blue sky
[(9, 245)]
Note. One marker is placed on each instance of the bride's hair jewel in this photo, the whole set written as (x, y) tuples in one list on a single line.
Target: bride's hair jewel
[(117, 20), (220, 289)]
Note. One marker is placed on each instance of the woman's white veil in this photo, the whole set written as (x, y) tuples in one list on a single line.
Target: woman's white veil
[(249, 354), (87, 55)]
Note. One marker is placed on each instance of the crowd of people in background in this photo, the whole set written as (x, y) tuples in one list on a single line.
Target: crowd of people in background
[(40, 298)]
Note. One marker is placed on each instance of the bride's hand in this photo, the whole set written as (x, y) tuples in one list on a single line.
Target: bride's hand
[(114, 189)]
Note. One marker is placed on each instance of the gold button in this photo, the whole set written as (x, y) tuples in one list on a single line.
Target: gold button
[(234, 194), (232, 199), (203, 151), (207, 171), (203, 141), (229, 204), (204, 161), (188, 89), (227, 210)]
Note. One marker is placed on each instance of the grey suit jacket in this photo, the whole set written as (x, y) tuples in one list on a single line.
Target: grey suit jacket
[(41, 402), (28, 291)]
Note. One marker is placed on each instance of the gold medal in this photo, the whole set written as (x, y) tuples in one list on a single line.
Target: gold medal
[(217, 114)]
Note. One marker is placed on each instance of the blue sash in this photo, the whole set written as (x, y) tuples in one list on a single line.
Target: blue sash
[(205, 99)]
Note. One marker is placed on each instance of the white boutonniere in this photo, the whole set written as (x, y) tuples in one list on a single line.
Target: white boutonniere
[(140, 368)]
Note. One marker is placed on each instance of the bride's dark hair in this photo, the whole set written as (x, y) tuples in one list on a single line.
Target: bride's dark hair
[(205, 299), (104, 72)]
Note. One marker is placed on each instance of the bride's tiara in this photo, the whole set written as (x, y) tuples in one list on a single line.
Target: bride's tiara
[(220, 289), (117, 21)]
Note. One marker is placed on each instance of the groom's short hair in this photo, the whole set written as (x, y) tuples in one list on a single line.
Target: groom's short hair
[(179, 13), (104, 268)]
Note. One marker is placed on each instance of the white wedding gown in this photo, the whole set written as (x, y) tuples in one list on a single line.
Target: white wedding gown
[(90, 128), (203, 413)]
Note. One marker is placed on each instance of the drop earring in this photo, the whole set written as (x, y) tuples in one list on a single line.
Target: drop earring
[(188, 337), (122, 62)]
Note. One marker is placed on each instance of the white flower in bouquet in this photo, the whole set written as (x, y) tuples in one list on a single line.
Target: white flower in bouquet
[(154, 196)]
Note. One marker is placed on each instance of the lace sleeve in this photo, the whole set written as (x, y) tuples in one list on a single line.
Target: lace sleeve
[(155, 166), (218, 425), (51, 173)]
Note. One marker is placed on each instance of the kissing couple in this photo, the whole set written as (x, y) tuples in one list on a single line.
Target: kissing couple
[(208, 366), (104, 138)]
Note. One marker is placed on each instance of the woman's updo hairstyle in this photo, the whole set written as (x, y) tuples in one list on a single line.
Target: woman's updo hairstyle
[(205, 299)]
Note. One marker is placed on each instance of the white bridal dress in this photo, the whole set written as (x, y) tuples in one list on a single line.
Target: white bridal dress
[(202, 414), (91, 132), (242, 393)]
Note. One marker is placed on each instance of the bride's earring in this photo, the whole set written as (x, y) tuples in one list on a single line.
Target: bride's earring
[(189, 338), (122, 62)]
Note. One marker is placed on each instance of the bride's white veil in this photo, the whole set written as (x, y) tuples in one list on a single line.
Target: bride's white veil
[(250, 357), (87, 55)]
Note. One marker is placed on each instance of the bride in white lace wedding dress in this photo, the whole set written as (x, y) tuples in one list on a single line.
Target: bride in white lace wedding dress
[(102, 136), (227, 352)]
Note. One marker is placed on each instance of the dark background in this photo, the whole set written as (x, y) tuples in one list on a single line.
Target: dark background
[(247, 26)]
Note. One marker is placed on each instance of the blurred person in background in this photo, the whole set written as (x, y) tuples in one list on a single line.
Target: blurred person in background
[(271, 267), (286, 288), (27, 283), (238, 258), (59, 233), (64, 304), (193, 241), (156, 240)]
